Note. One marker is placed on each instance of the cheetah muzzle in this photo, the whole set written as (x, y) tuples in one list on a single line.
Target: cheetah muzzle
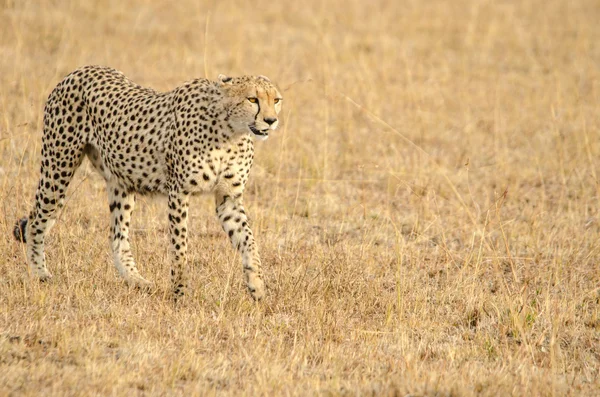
[(197, 138), (264, 133)]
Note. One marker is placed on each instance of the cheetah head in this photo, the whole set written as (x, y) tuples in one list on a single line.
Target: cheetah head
[(253, 104)]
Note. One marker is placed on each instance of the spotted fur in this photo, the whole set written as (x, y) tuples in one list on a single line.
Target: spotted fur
[(197, 138)]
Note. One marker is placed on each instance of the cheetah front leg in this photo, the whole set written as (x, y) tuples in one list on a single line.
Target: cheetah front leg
[(234, 221), (121, 206)]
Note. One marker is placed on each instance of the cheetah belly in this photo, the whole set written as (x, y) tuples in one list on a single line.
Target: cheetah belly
[(132, 154), (143, 174)]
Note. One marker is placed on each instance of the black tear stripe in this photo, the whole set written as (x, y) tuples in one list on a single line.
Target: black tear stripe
[(257, 113)]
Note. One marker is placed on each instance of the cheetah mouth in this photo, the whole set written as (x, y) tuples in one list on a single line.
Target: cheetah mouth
[(257, 132)]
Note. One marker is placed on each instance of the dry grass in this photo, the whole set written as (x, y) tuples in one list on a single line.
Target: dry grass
[(428, 215)]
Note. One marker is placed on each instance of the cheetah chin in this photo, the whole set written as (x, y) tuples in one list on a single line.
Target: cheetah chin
[(260, 135)]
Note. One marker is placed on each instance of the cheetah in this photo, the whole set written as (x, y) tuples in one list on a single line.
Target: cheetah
[(197, 138)]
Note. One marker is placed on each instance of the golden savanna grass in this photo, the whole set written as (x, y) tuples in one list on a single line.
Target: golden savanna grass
[(428, 213)]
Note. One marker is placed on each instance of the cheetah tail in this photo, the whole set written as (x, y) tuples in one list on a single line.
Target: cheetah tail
[(19, 230)]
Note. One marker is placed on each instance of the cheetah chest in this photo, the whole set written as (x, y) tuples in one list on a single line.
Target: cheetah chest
[(226, 168)]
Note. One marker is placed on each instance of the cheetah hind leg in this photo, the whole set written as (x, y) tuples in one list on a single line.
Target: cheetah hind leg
[(50, 196), (121, 206)]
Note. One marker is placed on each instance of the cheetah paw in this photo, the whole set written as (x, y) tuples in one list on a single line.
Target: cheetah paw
[(44, 276), (140, 282), (256, 288)]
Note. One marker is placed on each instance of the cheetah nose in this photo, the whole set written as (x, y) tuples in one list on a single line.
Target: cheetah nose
[(270, 120)]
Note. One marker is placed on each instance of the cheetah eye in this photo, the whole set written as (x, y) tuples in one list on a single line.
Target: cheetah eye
[(276, 101), (253, 99)]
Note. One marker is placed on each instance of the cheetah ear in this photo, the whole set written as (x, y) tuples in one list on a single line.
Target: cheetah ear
[(225, 79), (264, 78)]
